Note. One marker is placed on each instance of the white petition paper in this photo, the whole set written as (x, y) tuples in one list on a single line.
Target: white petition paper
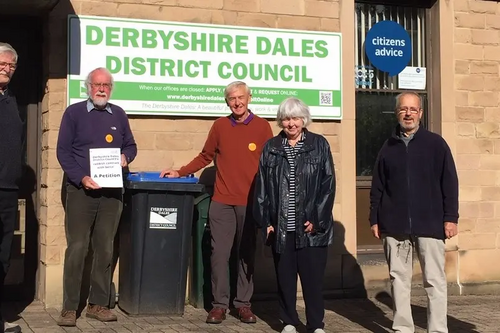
[(105, 167)]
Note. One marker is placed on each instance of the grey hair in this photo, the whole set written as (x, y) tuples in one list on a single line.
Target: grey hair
[(88, 80), (236, 84), (4, 47), (407, 93), (293, 107)]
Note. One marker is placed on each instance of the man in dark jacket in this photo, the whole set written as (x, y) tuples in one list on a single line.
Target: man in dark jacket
[(414, 206), (11, 128)]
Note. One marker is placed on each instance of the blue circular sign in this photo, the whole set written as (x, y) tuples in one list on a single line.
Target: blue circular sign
[(388, 47)]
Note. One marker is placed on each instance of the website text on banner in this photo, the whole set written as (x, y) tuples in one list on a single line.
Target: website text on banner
[(175, 68)]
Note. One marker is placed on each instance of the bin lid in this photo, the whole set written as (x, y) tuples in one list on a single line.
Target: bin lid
[(154, 177), (146, 180)]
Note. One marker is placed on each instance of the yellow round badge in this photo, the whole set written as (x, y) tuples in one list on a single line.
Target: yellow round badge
[(252, 146), (109, 138)]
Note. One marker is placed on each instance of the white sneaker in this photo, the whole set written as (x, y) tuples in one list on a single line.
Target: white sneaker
[(289, 329), (12, 328), (319, 330)]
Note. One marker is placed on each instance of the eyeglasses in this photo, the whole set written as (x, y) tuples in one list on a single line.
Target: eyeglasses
[(103, 85), (412, 110), (232, 100), (11, 65)]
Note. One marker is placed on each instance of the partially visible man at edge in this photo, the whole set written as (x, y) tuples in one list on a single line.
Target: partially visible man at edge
[(92, 212), (236, 141), (11, 145), (414, 208)]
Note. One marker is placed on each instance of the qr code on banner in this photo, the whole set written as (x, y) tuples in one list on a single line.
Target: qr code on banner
[(325, 98)]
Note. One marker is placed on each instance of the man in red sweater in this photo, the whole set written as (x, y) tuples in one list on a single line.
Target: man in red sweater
[(237, 140)]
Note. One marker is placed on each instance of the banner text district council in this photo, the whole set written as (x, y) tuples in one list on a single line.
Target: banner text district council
[(207, 43)]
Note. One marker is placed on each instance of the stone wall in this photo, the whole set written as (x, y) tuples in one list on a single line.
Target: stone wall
[(167, 142), (477, 116)]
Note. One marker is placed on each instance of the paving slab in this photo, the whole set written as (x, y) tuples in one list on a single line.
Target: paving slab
[(466, 314)]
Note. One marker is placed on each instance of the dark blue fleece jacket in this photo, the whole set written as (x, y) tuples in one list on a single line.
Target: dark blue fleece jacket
[(414, 187)]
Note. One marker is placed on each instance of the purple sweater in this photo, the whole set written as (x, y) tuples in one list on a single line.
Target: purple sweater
[(83, 128)]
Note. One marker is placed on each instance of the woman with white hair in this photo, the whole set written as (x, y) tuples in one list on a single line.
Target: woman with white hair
[(294, 194)]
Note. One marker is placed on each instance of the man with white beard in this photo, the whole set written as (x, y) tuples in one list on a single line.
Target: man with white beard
[(92, 212)]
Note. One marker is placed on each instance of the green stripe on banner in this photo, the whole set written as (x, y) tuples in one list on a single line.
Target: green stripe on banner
[(157, 92)]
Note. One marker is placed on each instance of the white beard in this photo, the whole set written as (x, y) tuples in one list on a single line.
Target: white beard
[(100, 101)]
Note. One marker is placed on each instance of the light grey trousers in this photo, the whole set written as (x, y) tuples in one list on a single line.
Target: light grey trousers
[(431, 254)]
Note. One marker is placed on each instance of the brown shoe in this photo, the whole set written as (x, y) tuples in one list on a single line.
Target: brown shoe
[(246, 315), (67, 318), (216, 316), (100, 313)]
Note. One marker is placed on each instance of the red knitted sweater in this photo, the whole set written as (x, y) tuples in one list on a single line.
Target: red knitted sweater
[(238, 147)]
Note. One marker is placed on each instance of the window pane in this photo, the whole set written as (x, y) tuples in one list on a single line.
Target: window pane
[(375, 121), (367, 15)]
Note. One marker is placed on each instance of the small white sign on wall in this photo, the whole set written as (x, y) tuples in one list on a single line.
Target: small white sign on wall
[(413, 78)]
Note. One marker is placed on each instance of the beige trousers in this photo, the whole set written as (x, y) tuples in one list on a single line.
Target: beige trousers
[(431, 254)]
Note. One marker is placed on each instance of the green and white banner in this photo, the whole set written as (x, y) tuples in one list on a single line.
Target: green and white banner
[(181, 69)]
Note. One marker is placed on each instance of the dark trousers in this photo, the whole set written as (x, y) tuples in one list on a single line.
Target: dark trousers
[(91, 216), (8, 218), (310, 264), (231, 225)]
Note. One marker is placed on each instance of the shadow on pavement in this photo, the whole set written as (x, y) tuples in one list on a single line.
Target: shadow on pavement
[(363, 312), (374, 315), (267, 311), (343, 279), (355, 306), (420, 316)]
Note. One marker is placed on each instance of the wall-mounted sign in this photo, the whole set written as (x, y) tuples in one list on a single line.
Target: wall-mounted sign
[(173, 68), (414, 78), (388, 47)]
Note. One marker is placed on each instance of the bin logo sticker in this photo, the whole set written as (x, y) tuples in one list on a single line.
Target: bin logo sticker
[(163, 218)]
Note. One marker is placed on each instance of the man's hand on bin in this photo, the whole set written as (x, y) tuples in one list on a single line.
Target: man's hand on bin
[(89, 184), (169, 173)]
